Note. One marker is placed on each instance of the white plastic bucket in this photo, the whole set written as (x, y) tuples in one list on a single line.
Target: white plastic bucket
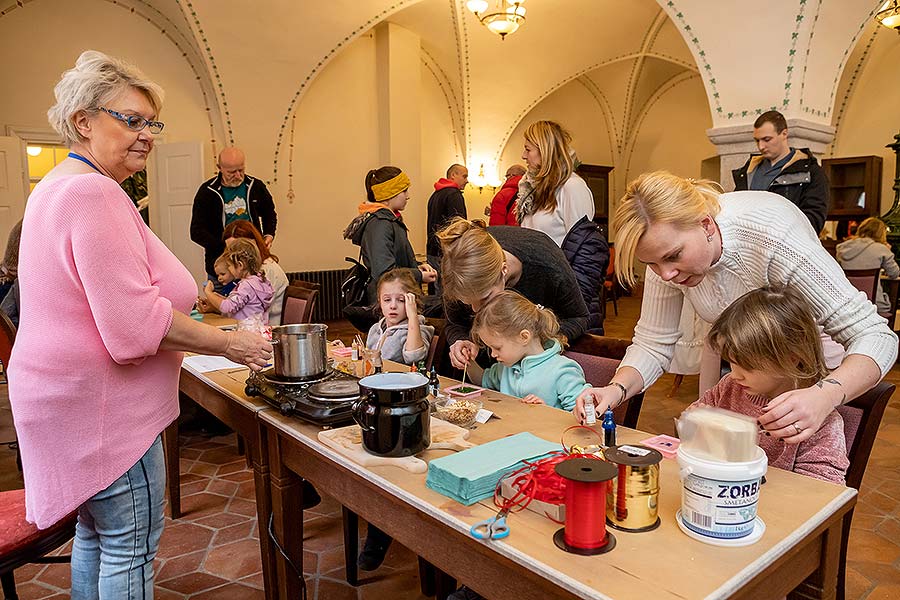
[(718, 499)]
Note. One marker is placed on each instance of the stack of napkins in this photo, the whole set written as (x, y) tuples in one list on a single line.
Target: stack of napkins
[(472, 475)]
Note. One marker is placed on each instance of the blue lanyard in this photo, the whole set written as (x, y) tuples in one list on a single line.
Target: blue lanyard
[(85, 161)]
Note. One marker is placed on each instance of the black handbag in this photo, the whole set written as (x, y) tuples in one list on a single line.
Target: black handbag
[(354, 288)]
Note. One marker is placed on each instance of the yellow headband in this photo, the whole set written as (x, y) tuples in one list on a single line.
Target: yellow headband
[(390, 188)]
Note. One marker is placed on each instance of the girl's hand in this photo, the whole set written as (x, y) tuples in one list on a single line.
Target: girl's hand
[(429, 275), (248, 348), (462, 353), (532, 399), (412, 312), (209, 288), (203, 306), (602, 398), (796, 415)]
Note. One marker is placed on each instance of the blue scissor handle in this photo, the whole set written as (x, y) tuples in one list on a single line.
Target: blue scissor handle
[(494, 528)]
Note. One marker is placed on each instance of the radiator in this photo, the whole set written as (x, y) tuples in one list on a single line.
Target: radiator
[(329, 305)]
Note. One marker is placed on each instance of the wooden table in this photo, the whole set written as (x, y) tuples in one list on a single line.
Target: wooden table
[(803, 520), (222, 394)]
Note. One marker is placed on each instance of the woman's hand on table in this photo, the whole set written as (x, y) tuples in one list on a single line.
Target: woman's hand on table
[(248, 348), (462, 353), (531, 399), (429, 275), (602, 398), (796, 415)]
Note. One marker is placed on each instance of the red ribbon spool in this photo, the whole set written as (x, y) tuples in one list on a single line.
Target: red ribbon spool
[(585, 530)]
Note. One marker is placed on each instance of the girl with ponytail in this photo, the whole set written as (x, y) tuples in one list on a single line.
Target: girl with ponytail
[(524, 338)]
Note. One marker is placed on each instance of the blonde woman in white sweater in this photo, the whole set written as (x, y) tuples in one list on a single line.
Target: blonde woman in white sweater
[(709, 249)]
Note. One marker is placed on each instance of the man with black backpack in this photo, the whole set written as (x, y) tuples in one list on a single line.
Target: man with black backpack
[(503, 206)]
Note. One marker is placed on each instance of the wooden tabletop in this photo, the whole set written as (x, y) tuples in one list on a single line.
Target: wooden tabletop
[(664, 563)]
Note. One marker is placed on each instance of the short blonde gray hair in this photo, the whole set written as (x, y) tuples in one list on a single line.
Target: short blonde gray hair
[(95, 80), (658, 197)]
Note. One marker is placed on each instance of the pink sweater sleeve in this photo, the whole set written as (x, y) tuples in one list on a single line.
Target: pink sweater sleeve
[(111, 261), (824, 455)]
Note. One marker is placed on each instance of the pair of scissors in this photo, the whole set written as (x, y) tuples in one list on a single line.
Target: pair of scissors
[(494, 528)]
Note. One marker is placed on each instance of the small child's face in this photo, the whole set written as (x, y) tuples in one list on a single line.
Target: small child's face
[(760, 382), (392, 298), (508, 351), (222, 274)]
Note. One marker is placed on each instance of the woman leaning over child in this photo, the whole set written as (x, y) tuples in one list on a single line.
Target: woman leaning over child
[(524, 338), (772, 342)]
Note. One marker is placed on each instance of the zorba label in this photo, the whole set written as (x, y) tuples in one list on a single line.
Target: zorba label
[(719, 509)]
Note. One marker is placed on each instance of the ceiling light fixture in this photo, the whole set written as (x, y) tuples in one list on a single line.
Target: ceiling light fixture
[(502, 21), (889, 15)]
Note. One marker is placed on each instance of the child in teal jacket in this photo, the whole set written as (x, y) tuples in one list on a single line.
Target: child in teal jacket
[(524, 338)]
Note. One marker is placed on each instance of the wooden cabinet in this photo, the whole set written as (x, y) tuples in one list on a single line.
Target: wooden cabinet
[(855, 189), (597, 179)]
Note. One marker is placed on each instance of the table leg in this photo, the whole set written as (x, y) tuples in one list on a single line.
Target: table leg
[(426, 577), (444, 585), (267, 549), (351, 544), (287, 516), (173, 468), (822, 584)]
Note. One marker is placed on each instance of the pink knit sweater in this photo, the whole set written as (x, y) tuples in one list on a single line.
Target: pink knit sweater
[(89, 388), (823, 456)]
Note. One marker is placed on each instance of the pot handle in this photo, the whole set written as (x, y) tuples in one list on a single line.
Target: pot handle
[(359, 412)]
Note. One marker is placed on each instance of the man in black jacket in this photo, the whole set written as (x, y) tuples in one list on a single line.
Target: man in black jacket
[(789, 172), (446, 202), (231, 195)]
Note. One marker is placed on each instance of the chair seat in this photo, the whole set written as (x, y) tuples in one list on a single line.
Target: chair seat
[(21, 541)]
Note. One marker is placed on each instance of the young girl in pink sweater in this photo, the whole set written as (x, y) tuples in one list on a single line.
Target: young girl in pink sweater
[(771, 340), (249, 302)]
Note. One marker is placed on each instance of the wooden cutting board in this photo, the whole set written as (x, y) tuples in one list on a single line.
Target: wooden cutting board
[(348, 441)]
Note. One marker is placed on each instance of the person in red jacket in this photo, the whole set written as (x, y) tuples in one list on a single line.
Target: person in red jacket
[(503, 211)]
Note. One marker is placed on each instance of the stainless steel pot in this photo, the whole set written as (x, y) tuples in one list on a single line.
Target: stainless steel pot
[(299, 350)]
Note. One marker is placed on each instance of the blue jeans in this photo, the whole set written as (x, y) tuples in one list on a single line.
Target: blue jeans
[(118, 533)]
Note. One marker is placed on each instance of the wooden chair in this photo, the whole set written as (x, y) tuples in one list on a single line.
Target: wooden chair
[(599, 356), (299, 303), (306, 284), (22, 542), (865, 280), (862, 417), (7, 337), (439, 350), (610, 285)]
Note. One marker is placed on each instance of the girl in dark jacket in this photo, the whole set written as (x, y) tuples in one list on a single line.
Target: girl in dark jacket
[(380, 232)]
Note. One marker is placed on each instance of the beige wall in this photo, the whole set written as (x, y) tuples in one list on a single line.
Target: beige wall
[(871, 117)]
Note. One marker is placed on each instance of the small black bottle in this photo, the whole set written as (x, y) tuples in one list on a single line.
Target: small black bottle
[(434, 384)]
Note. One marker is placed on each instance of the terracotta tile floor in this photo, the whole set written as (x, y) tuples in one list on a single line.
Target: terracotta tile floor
[(212, 552)]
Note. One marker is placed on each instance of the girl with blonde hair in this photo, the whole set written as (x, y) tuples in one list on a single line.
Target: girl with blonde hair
[(249, 302), (870, 250), (524, 339), (478, 263), (709, 249), (555, 200), (772, 342)]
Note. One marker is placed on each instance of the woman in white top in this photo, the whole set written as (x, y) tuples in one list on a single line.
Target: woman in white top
[(552, 198), (556, 201), (709, 249)]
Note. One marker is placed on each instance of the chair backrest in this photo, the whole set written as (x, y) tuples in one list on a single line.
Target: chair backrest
[(438, 351), (862, 416), (611, 268), (306, 284), (599, 357), (7, 337), (865, 280), (298, 306)]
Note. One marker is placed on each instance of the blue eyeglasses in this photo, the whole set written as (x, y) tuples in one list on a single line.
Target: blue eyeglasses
[(135, 122)]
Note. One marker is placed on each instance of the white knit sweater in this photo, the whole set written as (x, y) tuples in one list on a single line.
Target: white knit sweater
[(765, 240)]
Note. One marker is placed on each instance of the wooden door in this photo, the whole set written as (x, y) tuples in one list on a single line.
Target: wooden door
[(12, 186)]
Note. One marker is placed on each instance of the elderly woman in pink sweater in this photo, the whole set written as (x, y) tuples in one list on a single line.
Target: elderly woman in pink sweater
[(93, 378)]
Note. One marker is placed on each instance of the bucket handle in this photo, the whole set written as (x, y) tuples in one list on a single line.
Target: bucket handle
[(685, 472)]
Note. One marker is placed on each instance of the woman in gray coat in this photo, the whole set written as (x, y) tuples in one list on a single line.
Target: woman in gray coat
[(870, 250)]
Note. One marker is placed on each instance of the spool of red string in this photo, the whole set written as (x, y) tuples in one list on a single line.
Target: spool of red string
[(585, 530)]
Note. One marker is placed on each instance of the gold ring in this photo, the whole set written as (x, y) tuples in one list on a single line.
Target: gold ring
[(798, 429)]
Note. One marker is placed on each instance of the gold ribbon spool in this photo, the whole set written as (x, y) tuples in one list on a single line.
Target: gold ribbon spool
[(632, 502)]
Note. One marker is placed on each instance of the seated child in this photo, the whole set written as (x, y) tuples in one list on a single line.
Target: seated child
[(772, 342), (249, 302), (401, 333), (524, 338), (403, 337), (226, 279)]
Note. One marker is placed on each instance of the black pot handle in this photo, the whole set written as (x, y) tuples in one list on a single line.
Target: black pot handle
[(359, 412)]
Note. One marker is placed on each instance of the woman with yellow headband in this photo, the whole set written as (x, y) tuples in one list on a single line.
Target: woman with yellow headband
[(380, 232)]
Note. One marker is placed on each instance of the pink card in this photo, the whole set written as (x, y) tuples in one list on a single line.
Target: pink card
[(666, 444)]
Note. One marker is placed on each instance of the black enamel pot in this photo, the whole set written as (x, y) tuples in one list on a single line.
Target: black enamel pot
[(394, 414)]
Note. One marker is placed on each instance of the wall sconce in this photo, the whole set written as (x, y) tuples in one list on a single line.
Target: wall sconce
[(889, 15), (33, 150), (481, 182)]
